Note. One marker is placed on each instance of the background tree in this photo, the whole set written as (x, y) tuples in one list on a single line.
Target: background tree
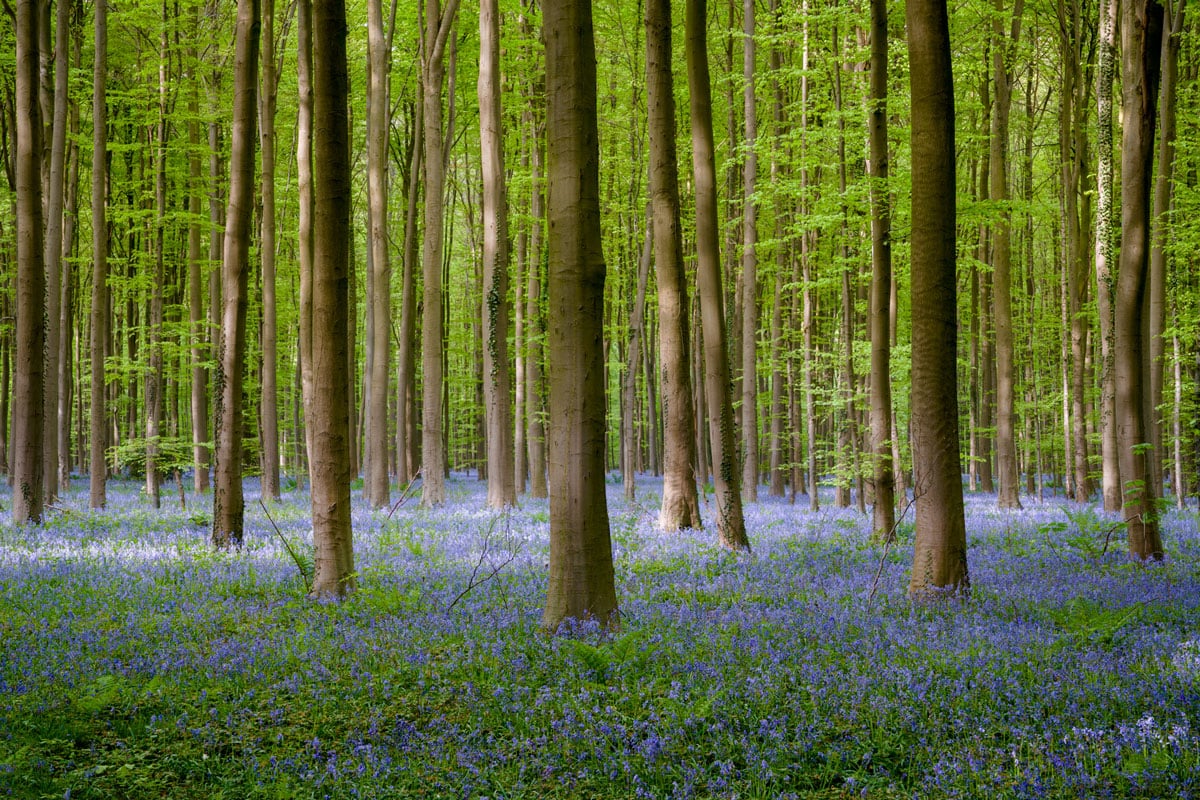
[(97, 466), (581, 568)]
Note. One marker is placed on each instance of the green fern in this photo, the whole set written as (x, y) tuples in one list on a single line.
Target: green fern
[(1086, 622)]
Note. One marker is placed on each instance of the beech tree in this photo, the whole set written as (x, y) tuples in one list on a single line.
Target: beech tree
[(581, 584), (940, 548), (680, 504), (228, 498), (97, 466), (31, 279)]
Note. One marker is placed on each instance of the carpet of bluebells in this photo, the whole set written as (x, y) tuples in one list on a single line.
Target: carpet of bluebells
[(137, 662)]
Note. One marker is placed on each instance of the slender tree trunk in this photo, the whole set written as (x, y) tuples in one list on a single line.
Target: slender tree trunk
[(379, 281), (53, 257), (1141, 38), (329, 408), (1106, 280), (433, 336), (1003, 52), (28, 419), (629, 399), (1158, 253), (304, 214), (782, 246), (940, 549), (228, 501), (883, 514), (269, 401), (581, 582), (497, 381), (99, 320), (67, 355), (749, 296), (406, 453), (680, 502), (535, 436), (154, 376), (731, 527), (196, 317)]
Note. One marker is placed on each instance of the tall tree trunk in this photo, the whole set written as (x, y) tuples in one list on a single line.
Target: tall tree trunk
[(329, 408), (99, 322), (269, 435), (228, 501), (636, 330), (1141, 38), (680, 502), (68, 357), (379, 281), (535, 435), (847, 431), (28, 419), (581, 567), (53, 257), (883, 513), (731, 526), (407, 456), (749, 295), (497, 381), (196, 318), (940, 549), (154, 376), (304, 214), (1106, 280), (782, 246), (1158, 253), (1003, 53), (433, 335)]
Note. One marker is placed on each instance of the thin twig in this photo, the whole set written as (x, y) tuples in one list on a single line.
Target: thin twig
[(286, 544), (406, 494), (889, 540), (471, 582)]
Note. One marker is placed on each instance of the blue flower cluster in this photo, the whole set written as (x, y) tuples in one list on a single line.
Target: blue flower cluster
[(136, 661)]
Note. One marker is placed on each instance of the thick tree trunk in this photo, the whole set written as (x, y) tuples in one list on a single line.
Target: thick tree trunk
[(376, 486), (329, 409), (228, 500), (497, 381), (731, 527), (581, 583), (1003, 52), (940, 549), (883, 514), (28, 420), (269, 401), (1141, 38), (99, 322), (680, 502), (433, 334)]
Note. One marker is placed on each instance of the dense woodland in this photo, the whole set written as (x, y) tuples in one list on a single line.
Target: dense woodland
[(749, 247)]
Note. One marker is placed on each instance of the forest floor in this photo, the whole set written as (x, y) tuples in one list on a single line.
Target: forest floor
[(137, 662)]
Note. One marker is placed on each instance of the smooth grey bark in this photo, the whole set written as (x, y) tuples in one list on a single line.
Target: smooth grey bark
[(99, 318), (749, 295), (269, 399), (379, 284)]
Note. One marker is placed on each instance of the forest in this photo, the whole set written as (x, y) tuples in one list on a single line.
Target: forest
[(597, 399)]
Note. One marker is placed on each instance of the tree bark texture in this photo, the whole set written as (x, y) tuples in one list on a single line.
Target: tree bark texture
[(940, 548), (680, 501), (269, 401), (228, 499), (731, 527), (376, 485), (749, 295), (97, 465), (329, 403), (581, 568), (497, 380), (1141, 38)]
